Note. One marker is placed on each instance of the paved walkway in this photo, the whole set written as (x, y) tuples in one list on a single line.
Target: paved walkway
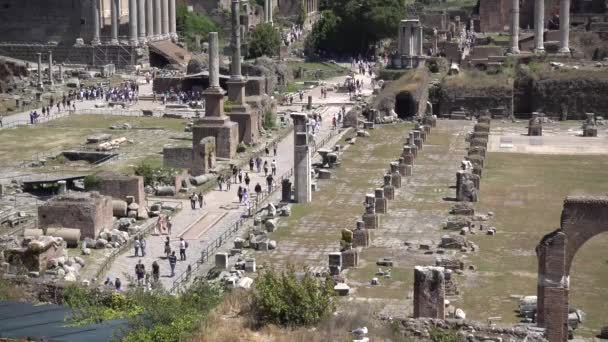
[(221, 203)]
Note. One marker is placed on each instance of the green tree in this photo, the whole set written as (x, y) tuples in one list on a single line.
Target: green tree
[(265, 41), (354, 26), (281, 298), (189, 25)]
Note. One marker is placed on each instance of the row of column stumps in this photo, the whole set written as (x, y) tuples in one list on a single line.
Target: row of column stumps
[(51, 70), (539, 26), (149, 20), (352, 241)]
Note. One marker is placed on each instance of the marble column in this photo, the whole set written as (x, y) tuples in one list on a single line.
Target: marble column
[(214, 61), (39, 70), (539, 25), (420, 40), (564, 26), (115, 5), (157, 19), (266, 5), (51, 67), (514, 26), (270, 2), (141, 21), (96, 23), (165, 19), (60, 73), (235, 72), (172, 20), (150, 19), (133, 22)]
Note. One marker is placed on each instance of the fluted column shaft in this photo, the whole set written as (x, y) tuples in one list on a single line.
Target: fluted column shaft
[(96, 23), (172, 20), (39, 69), (214, 61), (236, 40), (133, 22), (141, 21), (51, 67), (515, 26), (564, 26), (539, 25), (158, 31), (114, 21), (165, 19), (150, 19)]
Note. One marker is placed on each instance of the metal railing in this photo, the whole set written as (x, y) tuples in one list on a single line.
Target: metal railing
[(182, 280)]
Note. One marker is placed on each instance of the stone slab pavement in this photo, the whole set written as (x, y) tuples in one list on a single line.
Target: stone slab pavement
[(218, 202)]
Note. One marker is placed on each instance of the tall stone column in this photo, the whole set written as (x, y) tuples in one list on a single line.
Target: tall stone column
[(60, 73), (141, 21), (115, 20), (564, 26), (266, 5), (214, 62), (158, 31), (96, 23), (302, 166), (420, 40), (165, 18), (133, 22), (51, 67), (39, 70), (514, 26), (240, 113), (172, 20), (150, 19), (408, 40), (539, 25), (270, 8)]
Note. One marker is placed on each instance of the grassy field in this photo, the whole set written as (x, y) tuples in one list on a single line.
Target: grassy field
[(526, 193), (21, 143)]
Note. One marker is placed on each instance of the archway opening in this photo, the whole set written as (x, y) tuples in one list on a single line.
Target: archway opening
[(405, 105)]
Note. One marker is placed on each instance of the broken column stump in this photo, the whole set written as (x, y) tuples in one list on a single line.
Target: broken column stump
[(429, 292), (370, 217)]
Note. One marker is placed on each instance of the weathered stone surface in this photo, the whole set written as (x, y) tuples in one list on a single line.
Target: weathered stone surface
[(429, 292)]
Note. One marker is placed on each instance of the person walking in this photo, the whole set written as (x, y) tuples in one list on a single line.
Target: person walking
[(240, 176), (201, 199), (246, 197), (155, 271), (258, 190), (182, 249), (274, 149), (239, 194), (251, 162), (267, 150), (169, 225), (258, 164), (140, 272), (142, 245), (117, 284), (234, 173), (273, 165), (136, 245), (228, 182), (193, 201), (265, 167), (172, 261), (167, 247), (247, 180), (269, 180), (220, 181)]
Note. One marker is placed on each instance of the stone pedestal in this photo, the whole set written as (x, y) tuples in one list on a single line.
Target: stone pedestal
[(535, 125), (389, 189), (395, 175), (350, 258), (370, 218), (203, 156), (381, 201), (429, 292), (286, 191), (467, 185), (361, 236), (589, 127), (247, 121), (335, 263), (302, 165)]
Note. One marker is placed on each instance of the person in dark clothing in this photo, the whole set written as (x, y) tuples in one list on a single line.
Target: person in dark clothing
[(251, 162), (172, 263), (140, 272), (258, 189), (155, 271)]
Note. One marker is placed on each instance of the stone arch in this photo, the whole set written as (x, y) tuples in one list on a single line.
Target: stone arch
[(405, 105), (583, 217)]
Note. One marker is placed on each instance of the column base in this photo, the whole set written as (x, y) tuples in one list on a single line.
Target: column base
[(173, 37), (133, 42), (564, 50), (142, 40), (539, 50), (514, 51), (114, 42), (96, 42)]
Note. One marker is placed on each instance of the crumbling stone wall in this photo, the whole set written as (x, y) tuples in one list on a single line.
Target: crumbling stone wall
[(276, 73), (429, 292), (412, 87), (475, 100), (177, 157), (89, 212), (120, 186)]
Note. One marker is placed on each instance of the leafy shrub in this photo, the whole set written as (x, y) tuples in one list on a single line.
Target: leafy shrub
[(241, 147), (265, 41), (438, 335), (154, 174), (280, 298), (270, 121), (91, 182)]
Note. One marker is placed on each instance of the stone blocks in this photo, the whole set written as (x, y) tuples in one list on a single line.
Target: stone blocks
[(381, 201), (286, 191), (221, 261), (350, 258), (389, 189), (429, 292), (335, 263), (395, 175), (121, 186), (91, 213), (361, 236), (223, 130), (467, 186), (203, 156)]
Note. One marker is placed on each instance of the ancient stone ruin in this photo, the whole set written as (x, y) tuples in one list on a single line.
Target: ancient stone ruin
[(429, 292)]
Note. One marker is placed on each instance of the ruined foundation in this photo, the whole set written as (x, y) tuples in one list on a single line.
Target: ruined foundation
[(429, 292)]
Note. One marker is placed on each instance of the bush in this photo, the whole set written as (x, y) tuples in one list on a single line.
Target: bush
[(438, 335), (154, 175), (280, 298), (193, 24), (91, 182), (265, 41), (241, 147), (270, 121)]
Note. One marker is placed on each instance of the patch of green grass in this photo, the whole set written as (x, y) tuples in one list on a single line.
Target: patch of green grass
[(526, 194)]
